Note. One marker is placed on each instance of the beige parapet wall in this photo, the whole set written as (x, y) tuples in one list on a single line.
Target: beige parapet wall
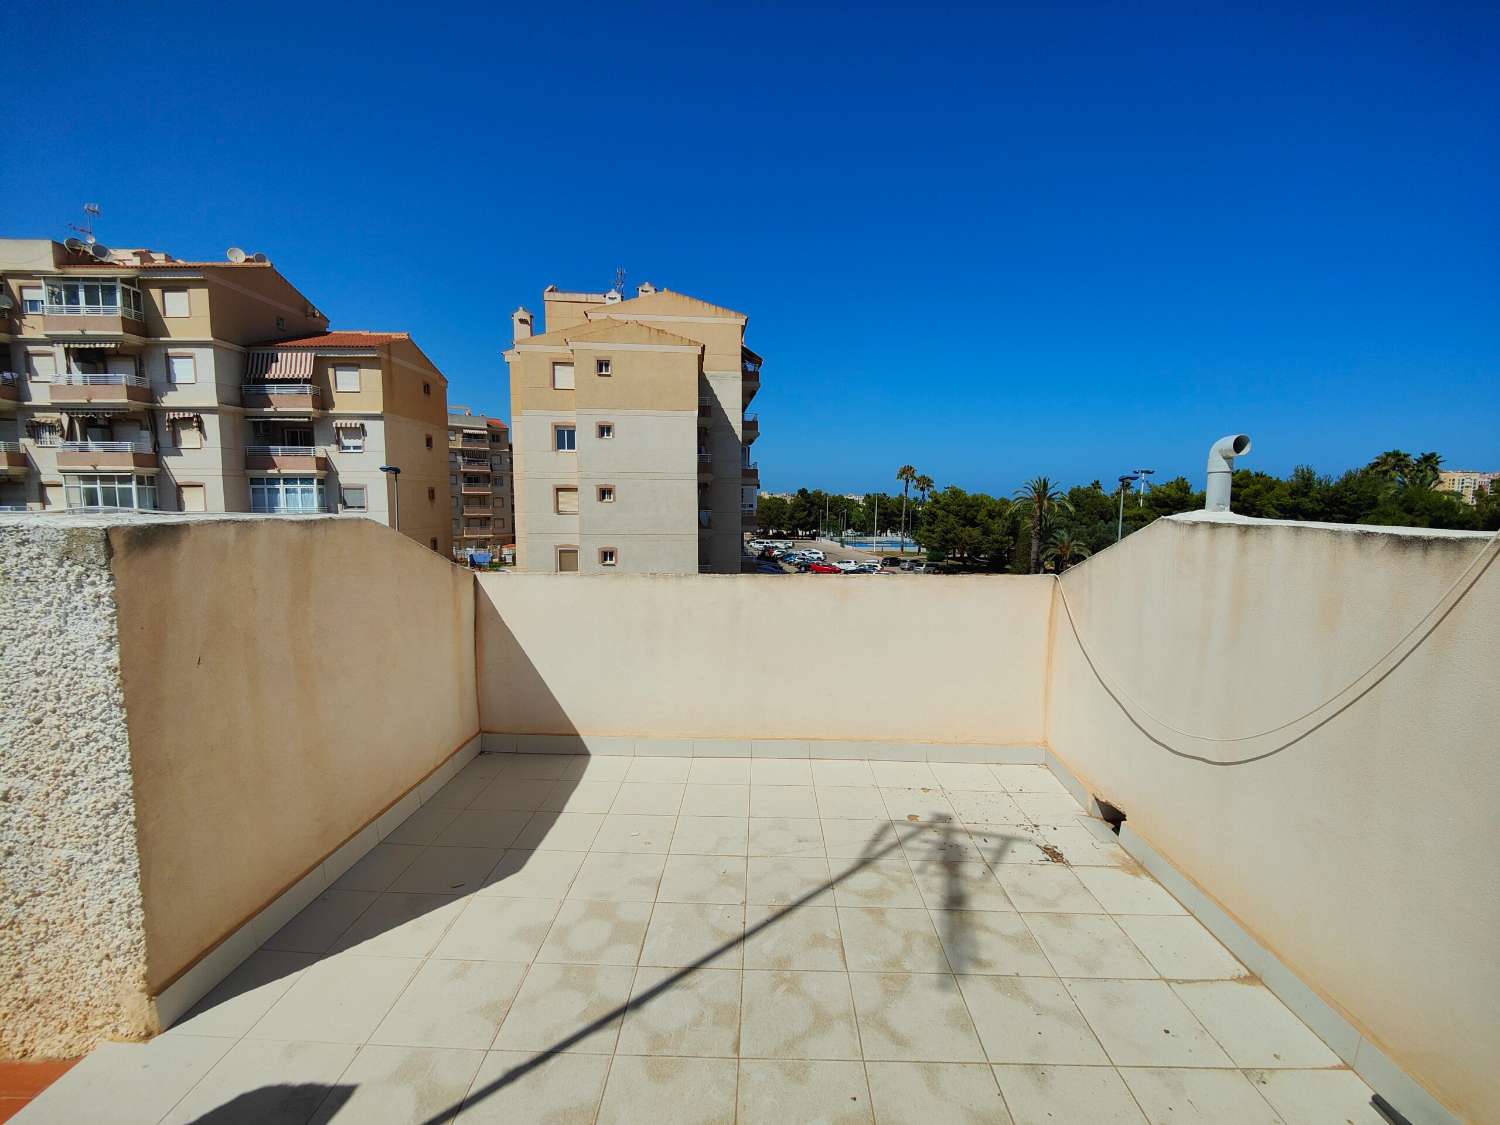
[(285, 681), (1364, 855), (893, 659)]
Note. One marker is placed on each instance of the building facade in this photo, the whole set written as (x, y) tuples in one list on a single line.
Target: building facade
[(479, 483), (1464, 482), (132, 379), (630, 434)]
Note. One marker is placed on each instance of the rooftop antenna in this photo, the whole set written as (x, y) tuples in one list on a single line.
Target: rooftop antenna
[(620, 280), (91, 212)]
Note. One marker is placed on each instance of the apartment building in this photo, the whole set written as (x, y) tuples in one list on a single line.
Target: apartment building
[(479, 482), (132, 379), (1464, 482), (630, 433)]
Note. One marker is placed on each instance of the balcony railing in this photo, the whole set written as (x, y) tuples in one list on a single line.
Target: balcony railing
[(11, 447), (705, 458), (306, 390), (285, 450), (109, 379), (105, 446), (50, 309), (705, 517)]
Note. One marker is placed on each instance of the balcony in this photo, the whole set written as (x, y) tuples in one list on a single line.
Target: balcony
[(287, 458), (478, 509), (299, 397), (13, 460), (106, 455), (705, 410), (750, 471), (750, 428), (475, 488), (476, 533), (73, 389), (1092, 856), (102, 320), (705, 517), (10, 390)]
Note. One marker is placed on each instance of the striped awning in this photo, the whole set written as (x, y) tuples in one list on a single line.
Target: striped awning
[(46, 420), (91, 345), (296, 366), (176, 414), (348, 424)]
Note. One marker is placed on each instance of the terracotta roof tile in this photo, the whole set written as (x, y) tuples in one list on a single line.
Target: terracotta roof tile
[(345, 339)]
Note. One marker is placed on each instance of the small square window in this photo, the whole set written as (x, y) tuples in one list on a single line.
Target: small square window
[(565, 501), (174, 302), (280, 323), (181, 369), (562, 376), (602, 368), (429, 441), (351, 439), (345, 378), (352, 496), (606, 494), (607, 556), (605, 430), (32, 299), (565, 438)]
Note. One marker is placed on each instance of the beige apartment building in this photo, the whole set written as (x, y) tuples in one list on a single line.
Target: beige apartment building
[(479, 483), (1464, 482), (132, 379), (630, 433)]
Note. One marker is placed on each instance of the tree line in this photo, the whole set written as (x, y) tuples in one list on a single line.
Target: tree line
[(1041, 526)]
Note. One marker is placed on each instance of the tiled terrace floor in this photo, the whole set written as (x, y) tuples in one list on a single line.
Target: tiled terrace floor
[(671, 939)]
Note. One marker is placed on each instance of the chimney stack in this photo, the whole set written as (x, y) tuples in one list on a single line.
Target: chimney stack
[(645, 289), (520, 325)]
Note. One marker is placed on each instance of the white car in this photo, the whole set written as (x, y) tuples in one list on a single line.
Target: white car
[(848, 566), (812, 553)]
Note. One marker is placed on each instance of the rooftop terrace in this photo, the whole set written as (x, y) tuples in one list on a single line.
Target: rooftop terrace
[(250, 823)]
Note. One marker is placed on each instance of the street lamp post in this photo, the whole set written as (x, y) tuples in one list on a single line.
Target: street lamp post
[(1125, 482), (1141, 493), (395, 471)]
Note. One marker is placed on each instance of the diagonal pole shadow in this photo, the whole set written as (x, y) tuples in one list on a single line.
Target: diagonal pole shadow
[(868, 855)]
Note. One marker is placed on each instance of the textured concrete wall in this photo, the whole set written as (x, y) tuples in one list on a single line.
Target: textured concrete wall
[(1363, 854), (72, 938), (894, 658)]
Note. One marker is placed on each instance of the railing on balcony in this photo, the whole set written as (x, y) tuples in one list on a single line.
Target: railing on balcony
[(10, 379), (11, 447), (14, 508), (705, 458), (109, 379), (285, 450), (705, 517), (306, 389), (105, 446), (750, 469)]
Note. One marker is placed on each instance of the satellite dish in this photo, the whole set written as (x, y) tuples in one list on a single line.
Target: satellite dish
[(235, 255), (100, 251), (7, 302), (258, 257), (75, 245)]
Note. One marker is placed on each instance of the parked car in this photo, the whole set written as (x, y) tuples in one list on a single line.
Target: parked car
[(846, 566), (814, 553), (768, 568), (866, 568), (823, 568), (892, 562)]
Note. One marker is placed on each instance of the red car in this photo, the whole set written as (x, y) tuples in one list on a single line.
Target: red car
[(822, 568)]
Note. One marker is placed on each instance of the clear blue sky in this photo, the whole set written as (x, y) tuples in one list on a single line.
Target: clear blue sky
[(994, 241)]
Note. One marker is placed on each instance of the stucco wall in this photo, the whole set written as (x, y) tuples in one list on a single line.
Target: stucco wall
[(285, 680), (72, 943), (1363, 855), (894, 658)]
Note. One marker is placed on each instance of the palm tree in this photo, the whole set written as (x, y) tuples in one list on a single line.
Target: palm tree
[(905, 474), (923, 484), (1039, 498), (1394, 463), (1064, 550), (1424, 471)]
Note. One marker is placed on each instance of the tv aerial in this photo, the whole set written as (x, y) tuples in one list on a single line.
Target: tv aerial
[(89, 244)]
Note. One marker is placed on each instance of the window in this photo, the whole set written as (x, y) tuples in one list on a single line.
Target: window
[(429, 441), (602, 368), (562, 376), (352, 497), (44, 433), (607, 556), (567, 560), (181, 369), (297, 435), (345, 377), (565, 438), (431, 495), (114, 491), (32, 297), (351, 438), (427, 390), (174, 302), (286, 494), (565, 501), (280, 323), (190, 498), (605, 430), (606, 494), (186, 433), (42, 366)]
